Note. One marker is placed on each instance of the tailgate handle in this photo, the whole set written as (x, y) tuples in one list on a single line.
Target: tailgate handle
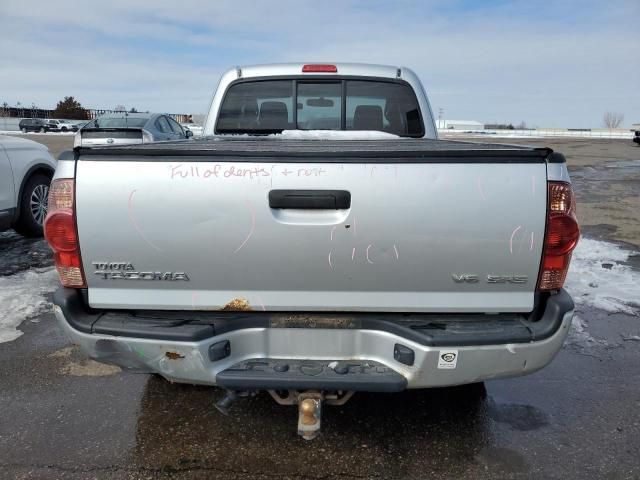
[(310, 199)]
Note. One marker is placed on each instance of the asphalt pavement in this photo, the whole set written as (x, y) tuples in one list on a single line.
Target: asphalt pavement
[(65, 416)]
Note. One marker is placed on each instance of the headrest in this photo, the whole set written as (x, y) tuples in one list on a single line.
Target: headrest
[(367, 117), (274, 115)]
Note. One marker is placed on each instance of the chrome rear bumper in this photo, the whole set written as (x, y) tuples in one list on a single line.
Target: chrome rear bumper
[(192, 362)]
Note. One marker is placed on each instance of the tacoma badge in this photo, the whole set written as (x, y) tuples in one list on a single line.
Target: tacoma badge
[(126, 271)]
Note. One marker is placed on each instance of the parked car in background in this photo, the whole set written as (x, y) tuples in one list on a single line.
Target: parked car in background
[(194, 127), (636, 137), (33, 125), (130, 128), (26, 169), (62, 126)]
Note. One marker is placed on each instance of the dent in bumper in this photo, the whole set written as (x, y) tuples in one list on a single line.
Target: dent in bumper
[(188, 362)]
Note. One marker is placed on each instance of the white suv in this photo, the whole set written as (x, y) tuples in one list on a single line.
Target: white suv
[(26, 169), (62, 126)]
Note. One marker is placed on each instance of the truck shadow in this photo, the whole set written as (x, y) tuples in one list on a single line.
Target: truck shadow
[(179, 429)]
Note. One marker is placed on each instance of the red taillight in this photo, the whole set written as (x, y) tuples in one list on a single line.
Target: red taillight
[(561, 236), (60, 230), (62, 235), (319, 68)]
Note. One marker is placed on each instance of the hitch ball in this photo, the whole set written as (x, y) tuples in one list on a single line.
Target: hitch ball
[(308, 409), (309, 414)]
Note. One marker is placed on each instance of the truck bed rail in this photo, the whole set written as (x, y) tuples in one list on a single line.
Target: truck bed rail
[(344, 151)]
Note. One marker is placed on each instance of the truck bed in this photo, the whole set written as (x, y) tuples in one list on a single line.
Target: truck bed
[(384, 151)]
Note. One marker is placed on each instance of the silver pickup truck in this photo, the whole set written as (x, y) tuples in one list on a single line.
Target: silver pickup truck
[(319, 241)]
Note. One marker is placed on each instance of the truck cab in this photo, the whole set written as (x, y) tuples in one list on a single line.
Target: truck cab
[(338, 97)]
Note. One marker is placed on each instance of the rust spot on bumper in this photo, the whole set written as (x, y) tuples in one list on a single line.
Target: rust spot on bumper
[(237, 305), (174, 356)]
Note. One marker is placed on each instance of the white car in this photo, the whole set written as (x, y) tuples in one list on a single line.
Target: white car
[(194, 127), (62, 126), (26, 168)]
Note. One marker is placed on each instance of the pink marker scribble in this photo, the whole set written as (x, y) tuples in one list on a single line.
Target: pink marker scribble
[(193, 300), (253, 226), (330, 264), (132, 220), (531, 245), (368, 259), (395, 249), (480, 189), (513, 234), (353, 253), (533, 185)]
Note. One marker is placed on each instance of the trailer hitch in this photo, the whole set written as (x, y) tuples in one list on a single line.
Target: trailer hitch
[(310, 407), (309, 414)]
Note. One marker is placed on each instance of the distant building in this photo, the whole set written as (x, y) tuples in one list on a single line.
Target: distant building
[(635, 127), (459, 125), (90, 113)]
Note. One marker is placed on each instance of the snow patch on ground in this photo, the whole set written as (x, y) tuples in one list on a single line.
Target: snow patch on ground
[(579, 335), (22, 296), (599, 278)]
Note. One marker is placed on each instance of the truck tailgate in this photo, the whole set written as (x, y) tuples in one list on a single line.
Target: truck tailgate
[(408, 225)]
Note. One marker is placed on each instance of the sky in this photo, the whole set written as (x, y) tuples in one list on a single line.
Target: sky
[(547, 63)]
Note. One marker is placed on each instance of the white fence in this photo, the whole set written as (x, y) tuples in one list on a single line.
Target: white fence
[(543, 132), (9, 124)]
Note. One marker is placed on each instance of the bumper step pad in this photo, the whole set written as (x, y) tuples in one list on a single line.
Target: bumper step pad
[(282, 374)]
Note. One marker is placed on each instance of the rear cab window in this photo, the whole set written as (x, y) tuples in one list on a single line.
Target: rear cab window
[(266, 106), (123, 122)]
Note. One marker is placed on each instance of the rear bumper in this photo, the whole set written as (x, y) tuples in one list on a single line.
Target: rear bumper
[(179, 347)]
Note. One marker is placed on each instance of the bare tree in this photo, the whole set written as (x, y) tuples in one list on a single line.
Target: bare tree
[(119, 108), (612, 119)]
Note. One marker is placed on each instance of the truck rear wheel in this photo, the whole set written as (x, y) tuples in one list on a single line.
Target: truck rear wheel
[(33, 206)]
